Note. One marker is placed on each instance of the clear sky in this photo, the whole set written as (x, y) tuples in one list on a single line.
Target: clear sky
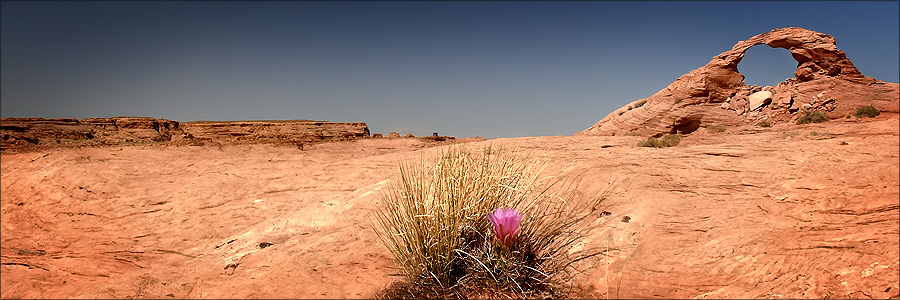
[(490, 69)]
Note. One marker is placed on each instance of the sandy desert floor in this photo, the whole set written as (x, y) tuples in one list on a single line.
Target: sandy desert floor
[(803, 211)]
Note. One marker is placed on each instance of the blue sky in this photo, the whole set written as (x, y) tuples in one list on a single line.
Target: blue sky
[(490, 69)]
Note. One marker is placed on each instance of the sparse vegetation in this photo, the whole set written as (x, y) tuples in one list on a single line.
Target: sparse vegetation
[(622, 112), (814, 133), (866, 112), (812, 116), (632, 133), (791, 133), (434, 219), (667, 140), (640, 103), (764, 124), (630, 108), (717, 128)]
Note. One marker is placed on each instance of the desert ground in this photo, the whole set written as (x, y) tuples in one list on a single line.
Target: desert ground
[(791, 211)]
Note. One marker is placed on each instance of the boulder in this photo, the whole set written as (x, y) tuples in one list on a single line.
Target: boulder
[(759, 99)]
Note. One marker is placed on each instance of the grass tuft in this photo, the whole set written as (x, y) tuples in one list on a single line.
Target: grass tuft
[(640, 103), (812, 116), (434, 221), (667, 140), (717, 128), (866, 112)]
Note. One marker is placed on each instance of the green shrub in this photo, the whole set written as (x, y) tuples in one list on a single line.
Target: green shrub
[(812, 116), (640, 103), (667, 140), (717, 128), (621, 112), (867, 112), (434, 221), (764, 123), (630, 108)]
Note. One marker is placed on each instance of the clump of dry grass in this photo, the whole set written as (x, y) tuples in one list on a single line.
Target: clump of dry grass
[(667, 140), (866, 112), (640, 103), (812, 116), (717, 128), (434, 221)]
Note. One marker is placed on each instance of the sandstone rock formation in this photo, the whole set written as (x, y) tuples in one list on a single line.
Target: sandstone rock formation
[(716, 93), (288, 131), (26, 133)]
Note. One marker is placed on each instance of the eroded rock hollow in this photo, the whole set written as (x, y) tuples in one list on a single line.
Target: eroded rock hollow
[(716, 94)]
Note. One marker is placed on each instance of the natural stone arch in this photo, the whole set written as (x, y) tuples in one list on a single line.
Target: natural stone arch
[(824, 79), (816, 53)]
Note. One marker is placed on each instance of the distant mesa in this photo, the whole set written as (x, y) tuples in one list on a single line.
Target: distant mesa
[(434, 137), (23, 133), (277, 132), (35, 133), (716, 94)]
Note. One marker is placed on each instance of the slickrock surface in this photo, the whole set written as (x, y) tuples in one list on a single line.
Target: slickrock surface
[(716, 95), (791, 211)]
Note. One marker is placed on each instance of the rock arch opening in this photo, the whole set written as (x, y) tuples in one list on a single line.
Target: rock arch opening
[(766, 66)]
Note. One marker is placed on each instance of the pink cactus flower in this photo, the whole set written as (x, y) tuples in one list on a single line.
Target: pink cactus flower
[(506, 224)]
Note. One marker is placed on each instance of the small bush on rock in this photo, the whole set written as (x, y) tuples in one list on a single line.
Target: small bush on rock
[(812, 116), (482, 223), (764, 123), (640, 103), (867, 112), (667, 140)]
